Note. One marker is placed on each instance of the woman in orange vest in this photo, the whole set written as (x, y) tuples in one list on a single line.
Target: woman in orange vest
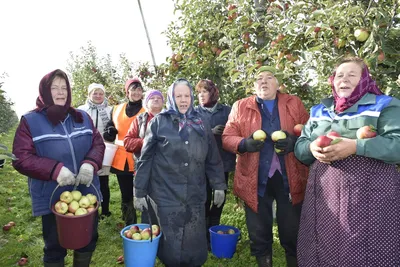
[(123, 165)]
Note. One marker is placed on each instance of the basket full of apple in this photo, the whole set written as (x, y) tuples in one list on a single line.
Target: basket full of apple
[(75, 217)]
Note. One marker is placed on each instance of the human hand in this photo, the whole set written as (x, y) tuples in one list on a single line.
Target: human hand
[(140, 203), (286, 145), (218, 130), (65, 177), (340, 150), (85, 175), (252, 145), (219, 197)]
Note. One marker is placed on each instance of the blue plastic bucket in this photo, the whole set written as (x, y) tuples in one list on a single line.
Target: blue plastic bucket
[(140, 253), (223, 245)]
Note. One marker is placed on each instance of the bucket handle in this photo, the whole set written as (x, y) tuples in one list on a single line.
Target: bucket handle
[(75, 186)]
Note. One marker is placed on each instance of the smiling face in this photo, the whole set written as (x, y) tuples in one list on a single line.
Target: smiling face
[(182, 97), (59, 91), (135, 93), (266, 85), (204, 96), (346, 79), (97, 96)]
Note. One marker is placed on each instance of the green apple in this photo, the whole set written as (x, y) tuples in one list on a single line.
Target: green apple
[(361, 35), (277, 135), (259, 135)]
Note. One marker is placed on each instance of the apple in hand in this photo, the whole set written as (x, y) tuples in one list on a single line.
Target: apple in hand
[(61, 207), (66, 197), (323, 141), (367, 131), (155, 229), (277, 135), (259, 135), (297, 129)]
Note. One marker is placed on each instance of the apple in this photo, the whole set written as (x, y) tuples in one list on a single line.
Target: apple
[(81, 211), (317, 29), (70, 214), (277, 135), (367, 131), (145, 233), (120, 259), (333, 133), (7, 227), (90, 209), (220, 232), (259, 135), (200, 44), (12, 223), (178, 57), (277, 150), (297, 129), (219, 50), (92, 198), (22, 261), (231, 232), (339, 42), (76, 194), (61, 207), (73, 206), (84, 202), (66, 197), (381, 57), (232, 7), (155, 229), (137, 236), (128, 234), (323, 141), (246, 37), (361, 35), (134, 229)]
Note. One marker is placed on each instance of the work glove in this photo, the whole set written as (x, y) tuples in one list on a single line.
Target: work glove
[(219, 197), (252, 145), (218, 130), (110, 134), (140, 203), (65, 177), (286, 145), (85, 175), (112, 131)]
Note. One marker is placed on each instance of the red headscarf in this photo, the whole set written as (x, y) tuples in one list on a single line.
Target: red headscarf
[(364, 86), (212, 89), (55, 113)]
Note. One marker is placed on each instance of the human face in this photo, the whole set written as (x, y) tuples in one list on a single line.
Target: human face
[(204, 96), (135, 94), (155, 104), (346, 79), (182, 97), (97, 96), (266, 86), (59, 91)]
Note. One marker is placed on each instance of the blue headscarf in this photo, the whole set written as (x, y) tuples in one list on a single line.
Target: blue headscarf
[(190, 119)]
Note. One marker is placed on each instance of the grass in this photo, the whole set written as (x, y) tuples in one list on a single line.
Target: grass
[(25, 239)]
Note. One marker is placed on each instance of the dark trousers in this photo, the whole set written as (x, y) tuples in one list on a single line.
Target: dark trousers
[(105, 191), (213, 213), (125, 182), (53, 252), (260, 224)]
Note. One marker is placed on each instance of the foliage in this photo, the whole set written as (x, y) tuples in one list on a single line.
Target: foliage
[(227, 40), (8, 117)]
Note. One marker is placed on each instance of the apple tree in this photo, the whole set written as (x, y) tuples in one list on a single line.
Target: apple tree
[(8, 117)]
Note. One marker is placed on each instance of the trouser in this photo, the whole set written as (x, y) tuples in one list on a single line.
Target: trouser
[(213, 213), (260, 224), (53, 252), (105, 191), (125, 182)]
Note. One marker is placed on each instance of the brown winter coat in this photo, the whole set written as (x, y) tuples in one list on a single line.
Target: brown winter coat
[(244, 119)]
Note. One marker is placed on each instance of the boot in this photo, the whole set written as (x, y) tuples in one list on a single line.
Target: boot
[(264, 261), (82, 259), (291, 261), (128, 213), (53, 264)]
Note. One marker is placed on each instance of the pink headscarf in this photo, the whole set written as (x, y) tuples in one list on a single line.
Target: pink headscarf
[(364, 86)]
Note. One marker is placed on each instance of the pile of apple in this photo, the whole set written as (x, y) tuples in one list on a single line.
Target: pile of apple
[(75, 204), (136, 233), (228, 232)]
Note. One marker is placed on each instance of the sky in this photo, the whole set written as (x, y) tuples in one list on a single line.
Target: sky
[(37, 37)]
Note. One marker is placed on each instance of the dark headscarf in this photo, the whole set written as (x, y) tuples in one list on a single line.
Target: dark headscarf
[(190, 119), (55, 113), (364, 86), (212, 89)]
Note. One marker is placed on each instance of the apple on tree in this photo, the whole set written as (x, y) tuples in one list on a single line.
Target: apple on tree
[(361, 35)]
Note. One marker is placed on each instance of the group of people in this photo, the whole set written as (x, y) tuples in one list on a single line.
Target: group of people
[(336, 205)]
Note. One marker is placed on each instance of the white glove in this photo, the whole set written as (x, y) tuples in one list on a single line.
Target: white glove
[(219, 197), (140, 203), (65, 177), (85, 175)]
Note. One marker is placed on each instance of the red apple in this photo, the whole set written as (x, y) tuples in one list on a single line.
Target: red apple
[(365, 132), (381, 57), (134, 229), (12, 223), (246, 37), (277, 135), (120, 259), (178, 57), (145, 233), (128, 234), (297, 129), (317, 29), (339, 42), (323, 141), (22, 261), (218, 51), (232, 7), (84, 202), (155, 229), (333, 133), (361, 35), (220, 232), (7, 227)]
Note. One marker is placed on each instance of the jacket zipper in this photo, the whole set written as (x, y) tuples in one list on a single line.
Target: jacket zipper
[(71, 147)]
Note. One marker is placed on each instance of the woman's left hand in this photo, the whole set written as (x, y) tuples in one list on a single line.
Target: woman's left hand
[(341, 150)]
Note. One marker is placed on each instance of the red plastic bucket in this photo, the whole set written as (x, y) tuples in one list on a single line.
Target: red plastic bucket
[(75, 232)]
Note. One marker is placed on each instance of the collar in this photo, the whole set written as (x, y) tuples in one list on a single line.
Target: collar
[(367, 99)]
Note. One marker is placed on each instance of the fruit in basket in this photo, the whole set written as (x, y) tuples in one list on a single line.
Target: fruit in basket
[(92, 198), (73, 206), (134, 229), (231, 232), (84, 202), (137, 236), (66, 197), (76, 195), (145, 233), (61, 207), (128, 234), (155, 229), (220, 232), (81, 211)]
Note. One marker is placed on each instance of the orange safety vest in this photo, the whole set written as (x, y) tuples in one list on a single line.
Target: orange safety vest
[(122, 123)]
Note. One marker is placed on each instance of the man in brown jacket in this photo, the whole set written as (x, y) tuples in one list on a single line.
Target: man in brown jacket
[(262, 175)]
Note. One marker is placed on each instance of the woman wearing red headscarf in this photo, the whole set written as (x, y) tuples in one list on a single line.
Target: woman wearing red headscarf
[(217, 115), (57, 145), (350, 214)]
